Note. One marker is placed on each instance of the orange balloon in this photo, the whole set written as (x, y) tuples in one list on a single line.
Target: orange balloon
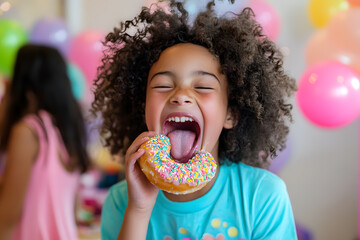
[(320, 48), (344, 30), (354, 3)]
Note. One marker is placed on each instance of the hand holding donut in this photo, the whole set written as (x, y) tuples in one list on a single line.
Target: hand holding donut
[(170, 175), (142, 194)]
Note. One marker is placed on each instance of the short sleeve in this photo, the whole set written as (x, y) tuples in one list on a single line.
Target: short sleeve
[(273, 216), (113, 213)]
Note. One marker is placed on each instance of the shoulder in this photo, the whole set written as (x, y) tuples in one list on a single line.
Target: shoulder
[(23, 134), (257, 181), (113, 210), (23, 137), (117, 196), (23, 129)]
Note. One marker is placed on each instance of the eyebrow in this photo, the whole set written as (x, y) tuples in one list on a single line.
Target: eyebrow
[(171, 74)]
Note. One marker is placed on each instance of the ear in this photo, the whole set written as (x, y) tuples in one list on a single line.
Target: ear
[(230, 120)]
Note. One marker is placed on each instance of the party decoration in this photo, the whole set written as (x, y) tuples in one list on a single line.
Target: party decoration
[(267, 17), (77, 80), (321, 47), (321, 11), (51, 32), (344, 30), (354, 3), (329, 94), (86, 52), (278, 163), (106, 162), (12, 37), (302, 232)]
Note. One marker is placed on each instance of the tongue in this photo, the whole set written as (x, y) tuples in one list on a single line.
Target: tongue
[(182, 142)]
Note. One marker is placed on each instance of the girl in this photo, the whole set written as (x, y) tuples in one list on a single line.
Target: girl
[(42, 136), (227, 76)]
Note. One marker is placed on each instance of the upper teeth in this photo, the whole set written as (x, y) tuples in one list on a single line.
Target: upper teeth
[(180, 119)]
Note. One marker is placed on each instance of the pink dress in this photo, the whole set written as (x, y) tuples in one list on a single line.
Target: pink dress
[(48, 211)]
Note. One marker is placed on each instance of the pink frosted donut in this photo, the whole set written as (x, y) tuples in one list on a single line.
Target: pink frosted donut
[(171, 176)]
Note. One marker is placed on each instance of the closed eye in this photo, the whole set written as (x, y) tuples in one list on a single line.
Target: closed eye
[(162, 87), (204, 88)]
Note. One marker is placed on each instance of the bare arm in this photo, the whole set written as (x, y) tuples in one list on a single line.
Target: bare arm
[(21, 152), (142, 194)]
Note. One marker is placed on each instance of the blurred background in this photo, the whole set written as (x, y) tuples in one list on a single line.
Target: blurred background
[(320, 40)]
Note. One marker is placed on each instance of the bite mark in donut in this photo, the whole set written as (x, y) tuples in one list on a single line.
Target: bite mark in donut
[(172, 176)]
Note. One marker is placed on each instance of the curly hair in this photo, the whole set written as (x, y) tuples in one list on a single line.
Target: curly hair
[(258, 86)]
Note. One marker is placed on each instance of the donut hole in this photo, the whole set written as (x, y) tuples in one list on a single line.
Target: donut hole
[(184, 137)]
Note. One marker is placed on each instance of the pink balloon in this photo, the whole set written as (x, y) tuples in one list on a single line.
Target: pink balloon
[(344, 30), (267, 17), (86, 52), (329, 94), (321, 48)]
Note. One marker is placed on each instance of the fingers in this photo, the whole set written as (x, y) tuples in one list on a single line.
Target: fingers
[(142, 138), (134, 153)]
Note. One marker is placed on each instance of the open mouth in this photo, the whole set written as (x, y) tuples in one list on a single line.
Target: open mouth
[(183, 131)]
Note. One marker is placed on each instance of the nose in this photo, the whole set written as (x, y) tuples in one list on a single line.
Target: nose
[(181, 97)]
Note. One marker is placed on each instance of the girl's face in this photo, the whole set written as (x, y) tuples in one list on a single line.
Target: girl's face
[(186, 100)]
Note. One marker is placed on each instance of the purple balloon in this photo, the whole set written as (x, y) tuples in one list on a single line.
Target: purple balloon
[(283, 157), (51, 32), (303, 233)]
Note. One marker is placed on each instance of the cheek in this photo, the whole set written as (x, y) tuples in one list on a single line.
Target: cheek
[(153, 112), (215, 117)]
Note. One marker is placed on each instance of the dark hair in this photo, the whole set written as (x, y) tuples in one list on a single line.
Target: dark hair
[(42, 71), (258, 86)]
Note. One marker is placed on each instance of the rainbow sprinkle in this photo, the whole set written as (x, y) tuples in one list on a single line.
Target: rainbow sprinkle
[(200, 169)]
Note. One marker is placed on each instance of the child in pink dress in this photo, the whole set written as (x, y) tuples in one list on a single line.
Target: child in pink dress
[(42, 136)]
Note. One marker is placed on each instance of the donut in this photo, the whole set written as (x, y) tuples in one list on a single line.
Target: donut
[(172, 176)]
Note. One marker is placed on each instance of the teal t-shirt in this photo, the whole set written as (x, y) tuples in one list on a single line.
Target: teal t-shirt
[(244, 203)]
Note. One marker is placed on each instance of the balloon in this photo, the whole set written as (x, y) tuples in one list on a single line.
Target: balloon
[(320, 47), (344, 30), (329, 94), (12, 37), (267, 17), (303, 233), (354, 3), (106, 162), (278, 163), (77, 80), (321, 11), (51, 32), (86, 52)]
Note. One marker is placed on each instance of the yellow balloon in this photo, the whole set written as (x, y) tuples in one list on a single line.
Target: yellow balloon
[(106, 161), (321, 11)]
